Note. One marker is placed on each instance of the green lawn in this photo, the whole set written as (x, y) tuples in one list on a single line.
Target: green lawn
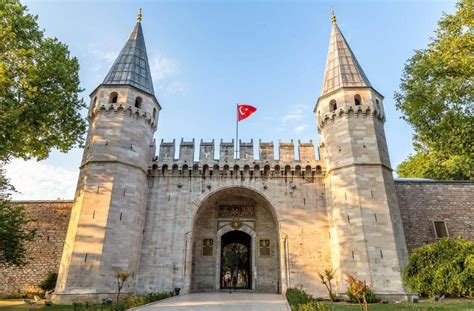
[(427, 305)]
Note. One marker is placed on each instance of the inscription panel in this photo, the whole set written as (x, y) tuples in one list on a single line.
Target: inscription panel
[(236, 211)]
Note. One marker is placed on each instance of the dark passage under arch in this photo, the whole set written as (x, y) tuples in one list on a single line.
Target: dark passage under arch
[(235, 260)]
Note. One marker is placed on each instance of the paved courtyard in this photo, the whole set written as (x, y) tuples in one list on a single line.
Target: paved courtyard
[(221, 301)]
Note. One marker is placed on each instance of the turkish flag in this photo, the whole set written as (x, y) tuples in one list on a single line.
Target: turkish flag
[(244, 111)]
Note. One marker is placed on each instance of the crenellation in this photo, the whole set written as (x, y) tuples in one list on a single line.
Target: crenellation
[(266, 151), (246, 162), (246, 150), (186, 151), (226, 151), (167, 150), (286, 151), (206, 151)]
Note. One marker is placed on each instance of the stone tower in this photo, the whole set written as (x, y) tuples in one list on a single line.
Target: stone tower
[(106, 225), (366, 235)]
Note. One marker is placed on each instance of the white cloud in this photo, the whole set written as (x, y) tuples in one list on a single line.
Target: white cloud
[(41, 181), (165, 72), (299, 129), (296, 113)]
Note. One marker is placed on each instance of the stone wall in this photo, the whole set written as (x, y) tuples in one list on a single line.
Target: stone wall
[(422, 202), (50, 219)]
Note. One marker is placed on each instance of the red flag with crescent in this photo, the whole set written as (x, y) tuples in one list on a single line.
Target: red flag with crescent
[(244, 111)]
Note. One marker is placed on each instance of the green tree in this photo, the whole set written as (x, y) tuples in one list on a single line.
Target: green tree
[(436, 97), (39, 109), (39, 89), (13, 231), (445, 267)]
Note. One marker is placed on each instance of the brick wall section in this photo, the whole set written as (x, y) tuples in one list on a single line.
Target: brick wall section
[(421, 202), (50, 219)]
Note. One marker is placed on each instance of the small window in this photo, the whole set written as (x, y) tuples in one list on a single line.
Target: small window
[(94, 103), (207, 247), (154, 113), (440, 229), (377, 104), (332, 105), (264, 248), (138, 102), (357, 100), (113, 98)]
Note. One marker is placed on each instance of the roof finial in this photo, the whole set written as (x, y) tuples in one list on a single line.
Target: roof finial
[(333, 17), (139, 15)]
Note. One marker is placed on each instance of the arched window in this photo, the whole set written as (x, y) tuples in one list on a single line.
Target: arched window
[(195, 169), (266, 170), (174, 169), (138, 102), (215, 168), (277, 169), (308, 170), (226, 170), (236, 170), (298, 170), (185, 170), (357, 100), (332, 105), (246, 170), (377, 104), (164, 170), (154, 168), (287, 170), (205, 170), (154, 113), (256, 171), (318, 170), (113, 98)]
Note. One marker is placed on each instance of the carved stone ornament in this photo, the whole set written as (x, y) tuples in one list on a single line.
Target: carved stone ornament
[(236, 223)]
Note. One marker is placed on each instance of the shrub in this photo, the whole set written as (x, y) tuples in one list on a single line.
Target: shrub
[(312, 306), (445, 267), (297, 297), (359, 292), (49, 283), (140, 300)]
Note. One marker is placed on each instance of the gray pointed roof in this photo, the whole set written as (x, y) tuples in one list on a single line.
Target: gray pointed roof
[(131, 66), (342, 67)]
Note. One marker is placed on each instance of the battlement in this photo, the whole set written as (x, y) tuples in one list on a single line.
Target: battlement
[(127, 109), (350, 109), (267, 162)]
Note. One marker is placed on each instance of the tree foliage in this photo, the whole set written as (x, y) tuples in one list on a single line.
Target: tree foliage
[(13, 231), (445, 267), (39, 89), (436, 97)]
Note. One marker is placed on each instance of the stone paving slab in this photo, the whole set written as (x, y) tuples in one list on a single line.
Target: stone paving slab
[(220, 301)]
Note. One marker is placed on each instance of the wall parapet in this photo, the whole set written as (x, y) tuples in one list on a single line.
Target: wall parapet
[(227, 163)]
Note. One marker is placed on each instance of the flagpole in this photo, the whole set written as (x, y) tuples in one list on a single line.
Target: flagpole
[(237, 131)]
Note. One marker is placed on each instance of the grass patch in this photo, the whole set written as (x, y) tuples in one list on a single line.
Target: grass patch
[(424, 305)]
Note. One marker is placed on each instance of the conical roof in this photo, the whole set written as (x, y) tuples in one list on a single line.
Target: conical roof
[(131, 66), (342, 67)]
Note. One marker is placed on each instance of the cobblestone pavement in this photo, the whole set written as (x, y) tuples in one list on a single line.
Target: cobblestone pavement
[(220, 301)]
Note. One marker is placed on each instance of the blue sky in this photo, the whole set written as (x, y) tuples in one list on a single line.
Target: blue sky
[(206, 56)]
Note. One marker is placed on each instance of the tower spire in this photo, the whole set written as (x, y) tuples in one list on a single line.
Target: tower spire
[(139, 15), (131, 66), (342, 67)]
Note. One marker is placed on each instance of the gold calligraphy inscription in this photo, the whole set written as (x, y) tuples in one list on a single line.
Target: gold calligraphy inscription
[(236, 211)]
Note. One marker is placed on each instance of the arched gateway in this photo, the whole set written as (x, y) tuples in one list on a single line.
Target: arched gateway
[(235, 243)]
